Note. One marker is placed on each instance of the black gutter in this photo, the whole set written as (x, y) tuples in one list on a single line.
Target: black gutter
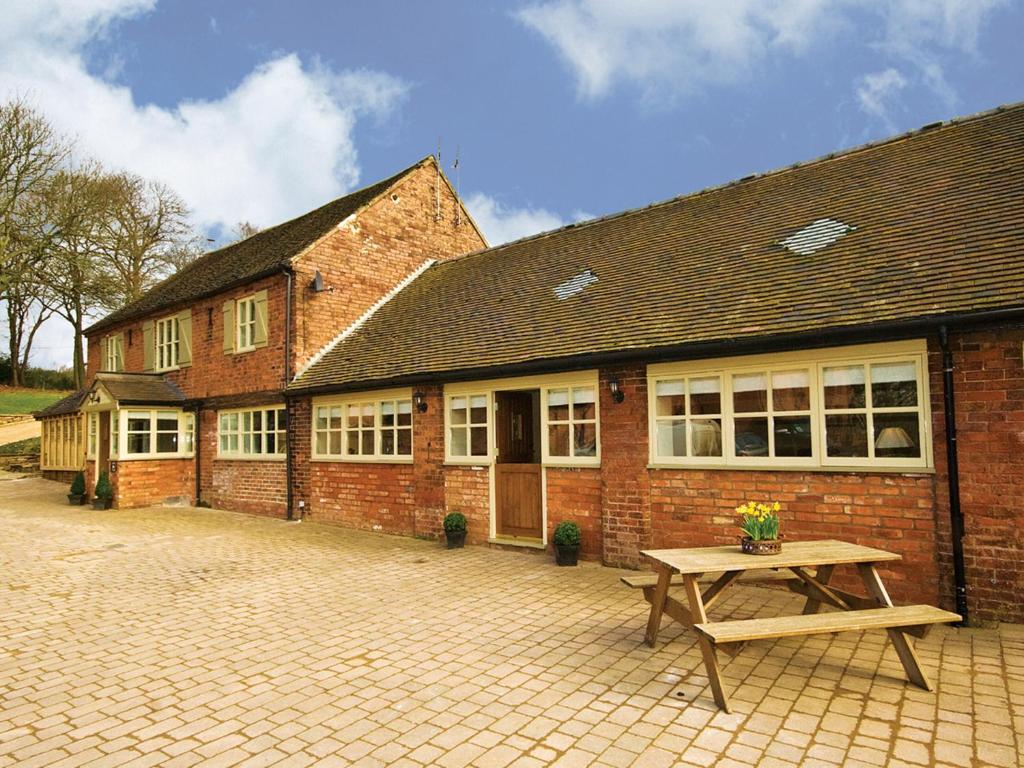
[(956, 515), (289, 496), (887, 331)]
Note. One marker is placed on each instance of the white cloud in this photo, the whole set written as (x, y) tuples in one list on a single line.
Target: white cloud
[(276, 144), (669, 48), (877, 89), (502, 223)]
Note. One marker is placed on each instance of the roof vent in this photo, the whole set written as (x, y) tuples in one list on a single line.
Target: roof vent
[(816, 235), (575, 284)]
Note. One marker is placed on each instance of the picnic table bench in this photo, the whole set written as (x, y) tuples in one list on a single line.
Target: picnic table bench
[(805, 568)]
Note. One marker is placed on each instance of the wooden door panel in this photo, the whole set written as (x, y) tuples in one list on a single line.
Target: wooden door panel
[(518, 500)]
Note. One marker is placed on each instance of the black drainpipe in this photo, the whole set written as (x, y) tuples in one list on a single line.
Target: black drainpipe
[(197, 447), (287, 378), (956, 515)]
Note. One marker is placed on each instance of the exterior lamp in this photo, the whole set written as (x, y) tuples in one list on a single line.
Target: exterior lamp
[(420, 400), (617, 394)]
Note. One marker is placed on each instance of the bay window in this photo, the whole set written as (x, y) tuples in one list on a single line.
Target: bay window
[(252, 433), (152, 433), (853, 407), (373, 427)]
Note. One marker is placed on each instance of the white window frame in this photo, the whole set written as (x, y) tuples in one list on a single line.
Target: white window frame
[(120, 436), (544, 383), (487, 424), (115, 352), (165, 344), (93, 435), (814, 362), (376, 401), (240, 432), (245, 324), (572, 459)]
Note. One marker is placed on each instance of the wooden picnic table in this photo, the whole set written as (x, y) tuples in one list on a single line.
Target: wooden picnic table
[(806, 567)]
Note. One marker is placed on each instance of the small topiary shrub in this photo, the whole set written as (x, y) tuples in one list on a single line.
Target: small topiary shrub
[(78, 484), (567, 534), (104, 490), (455, 522)]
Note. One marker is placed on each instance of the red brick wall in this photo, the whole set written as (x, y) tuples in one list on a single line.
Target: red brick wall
[(372, 496), (429, 470), (146, 482), (468, 490), (367, 257), (574, 494), (989, 389), (625, 489)]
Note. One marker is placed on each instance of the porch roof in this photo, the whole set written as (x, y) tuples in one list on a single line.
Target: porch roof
[(139, 388), (926, 225), (64, 406)]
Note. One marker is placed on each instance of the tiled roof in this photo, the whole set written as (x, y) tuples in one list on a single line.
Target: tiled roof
[(265, 253), (141, 388), (926, 224), (63, 406)]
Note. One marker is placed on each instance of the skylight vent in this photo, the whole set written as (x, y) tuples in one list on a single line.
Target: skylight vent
[(575, 284), (815, 236)]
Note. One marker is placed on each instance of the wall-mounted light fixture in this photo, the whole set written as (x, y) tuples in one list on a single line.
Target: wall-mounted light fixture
[(94, 397), (617, 394), (420, 400)]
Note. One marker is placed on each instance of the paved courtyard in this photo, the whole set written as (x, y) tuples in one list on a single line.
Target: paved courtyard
[(181, 637)]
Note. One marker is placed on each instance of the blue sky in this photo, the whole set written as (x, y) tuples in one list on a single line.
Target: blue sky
[(560, 109)]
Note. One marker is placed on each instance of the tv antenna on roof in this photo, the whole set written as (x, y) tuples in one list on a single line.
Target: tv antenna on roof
[(458, 198)]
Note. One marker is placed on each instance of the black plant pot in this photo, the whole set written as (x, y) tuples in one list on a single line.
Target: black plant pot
[(76, 499), (455, 539), (101, 503), (567, 554)]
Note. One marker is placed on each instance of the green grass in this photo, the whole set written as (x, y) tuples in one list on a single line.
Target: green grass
[(28, 400), (22, 446)]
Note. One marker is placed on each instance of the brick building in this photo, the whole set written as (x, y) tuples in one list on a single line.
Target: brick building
[(808, 335)]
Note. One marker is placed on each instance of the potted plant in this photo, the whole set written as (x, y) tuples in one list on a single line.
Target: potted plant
[(76, 494), (760, 524), (455, 530), (104, 494), (567, 543)]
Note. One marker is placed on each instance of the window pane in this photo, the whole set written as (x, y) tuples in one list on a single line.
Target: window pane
[(458, 442), (671, 438), (707, 437), (282, 442), (138, 442), (846, 434), (405, 442), (705, 396), (257, 420), (844, 388), (138, 423), (478, 441), (233, 422), (257, 442), (321, 442), (351, 442), (368, 416), (334, 443), (792, 435), (387, 414), (583, 407), (387, 442), (336, 417), (247, 421), (749, 393), (232, 443), (282, 419), (791, 391), (670, 400), (246, 442), (752, 437), (271, 442), (893, 385), (167, 423), (558, 439), (167, 442), (352, 416), (478, 409), (366, 448), (223, 422), (897, 435), (459, 412), (584, 441), (405, 413), (558, 409), (224, 443)]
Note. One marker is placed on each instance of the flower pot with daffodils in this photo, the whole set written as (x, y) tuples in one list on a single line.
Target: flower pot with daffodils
[(760, 525)]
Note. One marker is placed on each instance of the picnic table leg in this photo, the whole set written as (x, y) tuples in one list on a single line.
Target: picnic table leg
[(824, 574), (707, 650), (657, 604), (906, 652)]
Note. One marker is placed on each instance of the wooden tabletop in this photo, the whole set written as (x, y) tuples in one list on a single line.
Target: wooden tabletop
[(794, 553)]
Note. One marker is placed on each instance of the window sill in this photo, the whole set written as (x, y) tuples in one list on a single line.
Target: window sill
[(151, 456), (249, 457), (484, 463), (862, 469), (362, 459)]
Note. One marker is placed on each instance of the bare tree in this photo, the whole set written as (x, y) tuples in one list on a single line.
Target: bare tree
[(79, 205), (30, 152), (145, 238), (243, 230)]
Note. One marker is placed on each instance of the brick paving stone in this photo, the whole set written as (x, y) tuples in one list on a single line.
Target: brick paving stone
[(184, 637)]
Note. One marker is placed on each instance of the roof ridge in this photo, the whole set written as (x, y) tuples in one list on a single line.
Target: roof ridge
[(821, 159), (360, 321)]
